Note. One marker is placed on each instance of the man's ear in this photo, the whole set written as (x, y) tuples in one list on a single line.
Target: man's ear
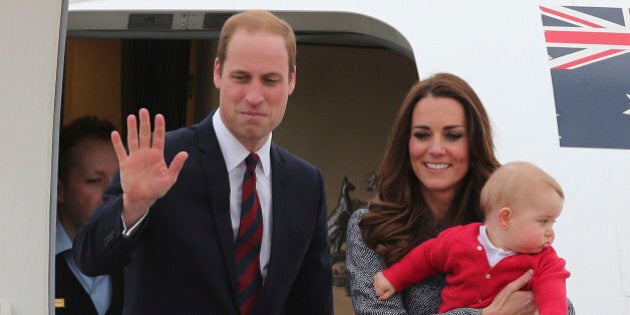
[(217, 73), (292, 79), (60, 192), (504, 217)]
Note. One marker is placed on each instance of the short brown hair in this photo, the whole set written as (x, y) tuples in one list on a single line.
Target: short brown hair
[(257, 21), (79, 129)]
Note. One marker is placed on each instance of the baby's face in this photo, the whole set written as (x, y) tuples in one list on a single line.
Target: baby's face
[(531, 227)]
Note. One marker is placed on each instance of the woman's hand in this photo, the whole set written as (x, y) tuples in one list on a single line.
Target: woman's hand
[(511, 301)]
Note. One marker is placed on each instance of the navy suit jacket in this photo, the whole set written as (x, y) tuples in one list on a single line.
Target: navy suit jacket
[(181, 258), (76, 299)]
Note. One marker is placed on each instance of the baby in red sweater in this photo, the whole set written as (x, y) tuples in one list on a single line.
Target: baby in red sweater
[(520, 202)]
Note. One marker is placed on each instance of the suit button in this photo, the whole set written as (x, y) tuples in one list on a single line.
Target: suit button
[(109, 238)]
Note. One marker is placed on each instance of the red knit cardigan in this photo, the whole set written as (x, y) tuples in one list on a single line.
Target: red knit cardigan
[(471, 282)]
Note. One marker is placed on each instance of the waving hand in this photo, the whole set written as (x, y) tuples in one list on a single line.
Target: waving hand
[(144, 175)]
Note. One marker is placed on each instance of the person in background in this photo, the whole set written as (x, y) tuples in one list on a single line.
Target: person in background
[(520, 203), (87, 164), (216, 218), (439, 155)]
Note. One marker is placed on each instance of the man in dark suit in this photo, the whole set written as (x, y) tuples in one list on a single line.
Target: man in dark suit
[(87, 164), (176, 216)]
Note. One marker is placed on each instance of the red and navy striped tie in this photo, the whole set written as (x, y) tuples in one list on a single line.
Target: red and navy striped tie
[(249, 240)]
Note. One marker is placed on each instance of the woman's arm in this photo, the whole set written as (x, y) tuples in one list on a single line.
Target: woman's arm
[(362, 264)]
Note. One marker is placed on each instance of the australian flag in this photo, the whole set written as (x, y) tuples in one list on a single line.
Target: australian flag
[(589, 57)]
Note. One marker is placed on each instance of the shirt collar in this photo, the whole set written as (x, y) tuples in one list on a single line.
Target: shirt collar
[(234, 152), (490, 248), (63, 242)]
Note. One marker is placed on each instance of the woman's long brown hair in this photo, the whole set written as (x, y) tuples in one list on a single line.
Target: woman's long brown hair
[(399, 218)]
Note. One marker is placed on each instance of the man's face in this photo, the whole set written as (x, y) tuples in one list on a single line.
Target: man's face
[(91, 170), (255, 84)]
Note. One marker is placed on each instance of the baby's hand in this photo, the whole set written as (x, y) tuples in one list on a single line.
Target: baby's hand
[(383, 288)]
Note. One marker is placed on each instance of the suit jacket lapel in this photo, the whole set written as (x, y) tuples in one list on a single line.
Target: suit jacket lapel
[(217, 178), (280, 231)]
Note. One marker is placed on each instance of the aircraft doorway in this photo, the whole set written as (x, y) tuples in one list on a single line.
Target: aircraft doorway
[(350, 84)]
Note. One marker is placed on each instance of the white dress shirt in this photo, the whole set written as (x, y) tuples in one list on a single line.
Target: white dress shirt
[(495, 254)]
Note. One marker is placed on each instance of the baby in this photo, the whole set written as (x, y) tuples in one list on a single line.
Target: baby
[(520, 202)]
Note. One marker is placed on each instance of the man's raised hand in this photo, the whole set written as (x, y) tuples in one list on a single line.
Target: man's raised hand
[(144, 175)]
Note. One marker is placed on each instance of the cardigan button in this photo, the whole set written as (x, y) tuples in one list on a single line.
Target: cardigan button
[(488, 276), (479, 248)]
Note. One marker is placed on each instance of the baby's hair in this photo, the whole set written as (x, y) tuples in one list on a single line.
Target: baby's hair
[(514, 182)]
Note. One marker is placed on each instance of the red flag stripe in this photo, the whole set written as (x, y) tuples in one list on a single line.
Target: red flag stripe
[(592, 57), (569, 17), (595, 38)]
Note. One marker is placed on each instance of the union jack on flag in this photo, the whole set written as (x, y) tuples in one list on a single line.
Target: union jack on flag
[(592, 38), (589, 57)]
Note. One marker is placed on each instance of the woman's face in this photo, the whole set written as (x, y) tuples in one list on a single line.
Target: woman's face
[(438, 145)]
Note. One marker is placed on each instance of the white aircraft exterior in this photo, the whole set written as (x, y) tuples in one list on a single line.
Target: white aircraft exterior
[(499, 47)]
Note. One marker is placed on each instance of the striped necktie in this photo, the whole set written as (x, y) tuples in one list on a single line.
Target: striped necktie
[(248, 240)]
